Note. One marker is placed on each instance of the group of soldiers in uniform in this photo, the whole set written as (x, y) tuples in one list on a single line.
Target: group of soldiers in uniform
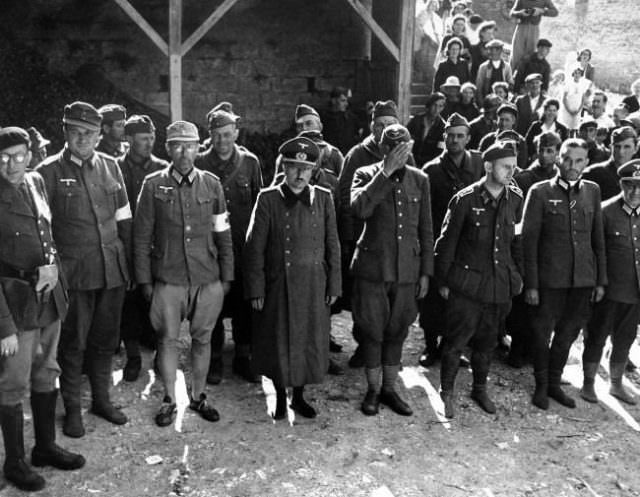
[(103, 241)]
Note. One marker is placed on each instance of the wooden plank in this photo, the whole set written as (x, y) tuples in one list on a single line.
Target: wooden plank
[(144, 25), (368, 19), (367, 4), (204, 28), (407, 27), (175, 59)]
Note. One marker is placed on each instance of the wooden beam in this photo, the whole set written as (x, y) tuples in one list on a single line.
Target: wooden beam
[(367, 4), (204, 28), (144, 25), (407, 28), (368, 19), (175, 59)]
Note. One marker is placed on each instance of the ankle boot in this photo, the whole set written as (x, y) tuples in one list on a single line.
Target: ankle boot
[(587, 392), (100, 379), (72, 425), (479, 394), (540, 397), (556, 393), (16, 470), (616, 370), (299, 405), (46, 452)]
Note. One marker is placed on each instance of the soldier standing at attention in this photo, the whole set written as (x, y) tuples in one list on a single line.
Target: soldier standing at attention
[(391, 264), (565, 266), (32, 303), (239, 172), (618, 314), (91, 221), (292, 277), (137, 163), (478, 258), (112, 141), (453, 170), (184, 262)]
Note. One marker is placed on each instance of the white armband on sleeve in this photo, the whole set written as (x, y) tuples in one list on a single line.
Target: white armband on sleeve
[(220, 222), (124, 213)]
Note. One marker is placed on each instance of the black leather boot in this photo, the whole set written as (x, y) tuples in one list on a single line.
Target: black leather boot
[(540, 397), (16, 470), (100, 378), (556, 393), (46, 452)]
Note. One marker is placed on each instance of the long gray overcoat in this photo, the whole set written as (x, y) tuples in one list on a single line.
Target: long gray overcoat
[(292, 260)]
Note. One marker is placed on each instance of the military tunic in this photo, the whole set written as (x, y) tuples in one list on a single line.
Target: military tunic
[(605, 174)]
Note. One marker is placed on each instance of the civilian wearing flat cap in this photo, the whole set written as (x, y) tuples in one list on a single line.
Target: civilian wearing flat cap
[(455, 169), (392, 262), (528, 14), (605, 174), (349, 226), (240, 173), (340, 125), (478, 269), (135, 165), (507, 117), (292, 275), (529, 105), (184, 260), (308, 119), (493, 70), (91, 222), (486, 122), (534, 63), (565, 266), (618, 314), (112, 142), (427, 129), (32, 303)]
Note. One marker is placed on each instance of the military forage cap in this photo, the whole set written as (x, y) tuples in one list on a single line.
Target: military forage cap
[(12, 136), (82, 114), (299, 150), (220, 118), (112, 112), (36, 138), (394, 134), (623, 133), (182, 131), (139, 124), (456, 119), (386, 108), (630, 170), (306, 110), (499, 150)]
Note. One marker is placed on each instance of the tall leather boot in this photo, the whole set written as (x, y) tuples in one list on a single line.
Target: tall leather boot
[(555, 392), (448, 372), (16, 470), (71, 363), (371, 403), (587, 392), (480, 364), (616, 370), (46, 452), (540, 395), (100, 379)]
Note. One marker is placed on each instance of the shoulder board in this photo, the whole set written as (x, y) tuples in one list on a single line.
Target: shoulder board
[(157, 174), (466, 191), (106, 157), (207, 174), (50, 160), (515, 189), (329, 172), (322, 189)]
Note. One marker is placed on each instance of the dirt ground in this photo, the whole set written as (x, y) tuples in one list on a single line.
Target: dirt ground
[(592, 450)]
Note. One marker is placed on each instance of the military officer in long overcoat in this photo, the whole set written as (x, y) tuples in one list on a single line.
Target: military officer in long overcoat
[(292, 276), (32, 303)]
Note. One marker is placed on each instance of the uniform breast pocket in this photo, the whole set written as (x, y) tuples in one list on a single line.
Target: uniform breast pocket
[(555, 219), (413, 203), (72, 198), (618, 241), (164, 201), (205, 207), (584, 219), (244, 190), (480, 228), (112, 192)]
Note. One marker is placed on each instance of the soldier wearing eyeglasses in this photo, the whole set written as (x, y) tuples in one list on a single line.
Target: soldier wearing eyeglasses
[(184, 262), (32, 303), (91, 220)]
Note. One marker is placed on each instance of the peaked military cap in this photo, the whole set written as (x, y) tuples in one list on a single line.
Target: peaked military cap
[(630, 170), (299, 150), (499, 150), (82, 114), (394, 134), (112, 112), (182, 131), (139, 124), (306, 110), (12, 136), (508, 107), (623, 133), (456, 119), (312, 134), (385, 108)]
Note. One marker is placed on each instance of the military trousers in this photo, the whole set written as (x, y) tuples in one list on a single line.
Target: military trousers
[(433, 317), (474, 323), (136, 326), (382, 314), (33, 367), (239, 310), (617, 320), (563, 311)]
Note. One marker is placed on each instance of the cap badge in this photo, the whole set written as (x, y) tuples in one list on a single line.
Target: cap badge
[(301, 155)]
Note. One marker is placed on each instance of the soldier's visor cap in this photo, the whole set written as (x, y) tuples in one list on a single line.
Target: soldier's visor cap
[(299, 151), (82, 114), (630, 170), (112, 112)]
